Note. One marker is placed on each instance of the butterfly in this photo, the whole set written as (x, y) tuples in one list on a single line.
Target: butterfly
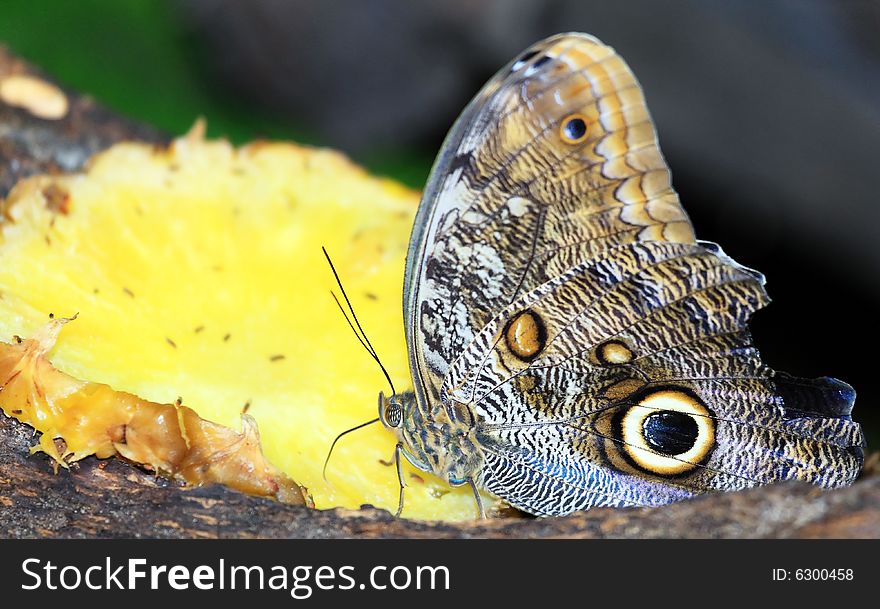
[(571, 343)]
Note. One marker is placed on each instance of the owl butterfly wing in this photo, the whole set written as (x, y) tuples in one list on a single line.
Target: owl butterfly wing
[(631, 379), (555, 161)]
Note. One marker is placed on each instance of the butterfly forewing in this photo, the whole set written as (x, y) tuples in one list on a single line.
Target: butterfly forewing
[(514, 200)]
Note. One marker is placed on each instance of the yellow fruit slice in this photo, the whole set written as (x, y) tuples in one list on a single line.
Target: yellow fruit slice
[(196, 272), (80, 418)]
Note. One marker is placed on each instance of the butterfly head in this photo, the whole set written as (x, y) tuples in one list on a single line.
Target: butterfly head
[(400, 414), (391, 410)]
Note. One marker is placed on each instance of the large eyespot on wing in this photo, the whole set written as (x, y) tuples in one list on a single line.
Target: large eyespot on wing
[(666, 432), (554, 162)]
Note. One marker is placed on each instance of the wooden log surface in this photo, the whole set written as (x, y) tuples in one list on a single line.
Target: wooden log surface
[(110, 498)]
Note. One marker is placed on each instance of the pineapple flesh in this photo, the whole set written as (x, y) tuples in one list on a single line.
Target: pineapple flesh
[(197, 278)]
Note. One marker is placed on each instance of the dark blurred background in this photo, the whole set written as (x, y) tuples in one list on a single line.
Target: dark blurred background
[(768, 113)]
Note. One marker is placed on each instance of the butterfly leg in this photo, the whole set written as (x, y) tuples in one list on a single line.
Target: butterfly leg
[(397, 462), (473, 486)]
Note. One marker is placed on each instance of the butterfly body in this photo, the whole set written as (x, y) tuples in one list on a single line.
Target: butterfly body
[(571, 343), (433, 441)]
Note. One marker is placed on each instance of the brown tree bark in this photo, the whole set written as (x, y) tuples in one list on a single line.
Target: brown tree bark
[(111, 498)]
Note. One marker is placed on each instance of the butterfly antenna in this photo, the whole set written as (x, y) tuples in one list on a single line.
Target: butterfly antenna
[(332, 446), (350, 325), (359, 332)]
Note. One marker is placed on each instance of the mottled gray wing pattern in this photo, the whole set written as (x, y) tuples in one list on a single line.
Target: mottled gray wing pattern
[(571, 344), (630, 379), (555, 161)]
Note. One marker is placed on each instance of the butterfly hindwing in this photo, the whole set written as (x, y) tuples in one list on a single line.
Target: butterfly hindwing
[(643, 387)]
